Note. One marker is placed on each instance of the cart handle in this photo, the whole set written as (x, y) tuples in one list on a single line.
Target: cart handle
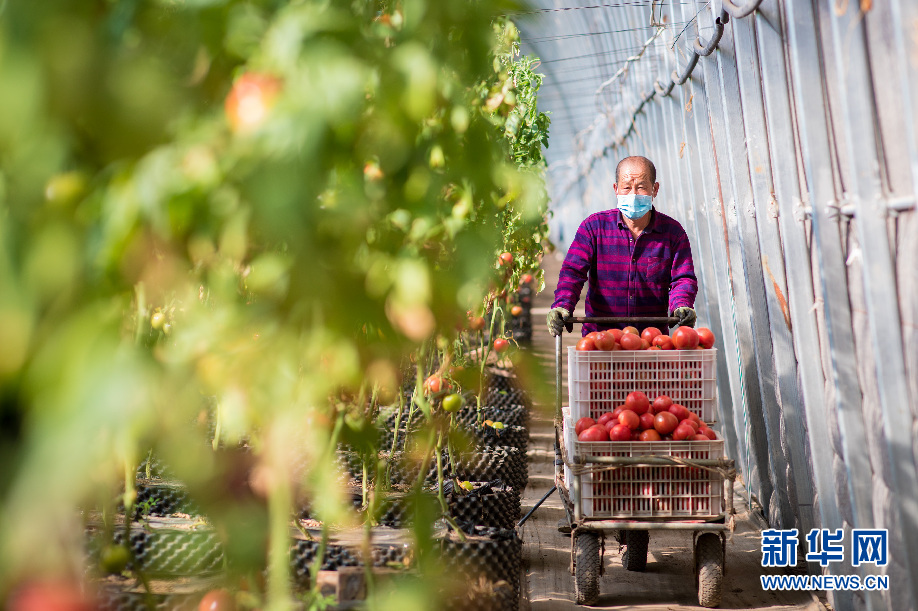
[(669, 321)]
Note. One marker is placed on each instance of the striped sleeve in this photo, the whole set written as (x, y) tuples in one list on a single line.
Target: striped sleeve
[(575, 269), (684, 286)]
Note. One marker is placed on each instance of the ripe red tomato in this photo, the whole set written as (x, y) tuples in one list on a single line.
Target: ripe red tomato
[(665, 423), (583, 424), (501, 345), (594, 433), (49, 596), (685, 338), (664, 342), (705, 337), (650, 333), (700, 437), (646, 420), (618, 412), (526, 278), (691, 423), (606, 417), (217, 600), (631, 330), (616, 333), (604, 341), (434, 383), (683, 432), (645, 345), (505, 258), (661, 404), (679, 411), (637, 402), (250, 100), (650, 435), (516, 310), (477, 323), (586, 344), (629, 419), (631, 341), (620, 432)]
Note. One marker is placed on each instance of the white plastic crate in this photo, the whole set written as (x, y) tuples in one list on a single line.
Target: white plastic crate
[(647, 491), (598, 381)]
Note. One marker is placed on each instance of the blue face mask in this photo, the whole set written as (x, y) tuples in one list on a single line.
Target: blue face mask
[(634, 206)]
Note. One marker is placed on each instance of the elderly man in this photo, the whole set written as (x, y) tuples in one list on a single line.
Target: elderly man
[(638, 260)]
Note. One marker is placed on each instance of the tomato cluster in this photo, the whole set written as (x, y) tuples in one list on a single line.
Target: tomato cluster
[(683, 338), (640, 420)]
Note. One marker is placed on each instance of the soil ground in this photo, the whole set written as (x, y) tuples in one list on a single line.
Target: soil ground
[(668, 583)]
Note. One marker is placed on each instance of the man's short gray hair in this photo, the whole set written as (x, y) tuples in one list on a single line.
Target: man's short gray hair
[(648, 164)]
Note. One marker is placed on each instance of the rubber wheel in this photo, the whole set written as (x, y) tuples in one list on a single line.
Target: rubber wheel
[(635, 556), (709, 558), (586, 568)]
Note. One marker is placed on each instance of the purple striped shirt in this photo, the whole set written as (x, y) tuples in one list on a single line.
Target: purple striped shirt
[(648, 276)]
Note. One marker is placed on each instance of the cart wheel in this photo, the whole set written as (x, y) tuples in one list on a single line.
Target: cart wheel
[(586, 568), (709, 558), (635, 556)]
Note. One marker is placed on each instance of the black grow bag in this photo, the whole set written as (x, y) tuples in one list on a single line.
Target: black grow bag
[(487, 567)]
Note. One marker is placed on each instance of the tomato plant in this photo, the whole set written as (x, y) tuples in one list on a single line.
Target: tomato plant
[(154, 244)]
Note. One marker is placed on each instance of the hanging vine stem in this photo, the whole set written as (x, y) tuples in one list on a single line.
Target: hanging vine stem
[(624, 69), (700, 48)]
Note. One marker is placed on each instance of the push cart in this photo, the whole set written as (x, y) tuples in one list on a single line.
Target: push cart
[(627, 489)]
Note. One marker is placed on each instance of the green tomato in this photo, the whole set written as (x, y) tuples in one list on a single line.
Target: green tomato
[(452, 402), (466, 485), (114, 559), (498, 425), (157, 320)]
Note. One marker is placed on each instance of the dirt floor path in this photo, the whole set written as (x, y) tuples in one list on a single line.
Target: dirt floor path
[(668, 583)]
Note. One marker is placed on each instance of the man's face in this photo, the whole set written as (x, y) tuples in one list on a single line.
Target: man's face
[(635, 179)]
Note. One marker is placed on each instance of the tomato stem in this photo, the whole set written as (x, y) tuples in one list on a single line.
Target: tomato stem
[(279, 502), (398, 419), (440, 495)]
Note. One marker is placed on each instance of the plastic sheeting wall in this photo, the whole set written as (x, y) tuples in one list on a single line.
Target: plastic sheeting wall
[(790, 155)]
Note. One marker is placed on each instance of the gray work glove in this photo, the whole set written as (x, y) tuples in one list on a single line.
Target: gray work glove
[(685, 315), (555, 321)]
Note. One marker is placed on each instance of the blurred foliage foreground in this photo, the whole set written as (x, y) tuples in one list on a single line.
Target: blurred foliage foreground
[(255, 209)]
